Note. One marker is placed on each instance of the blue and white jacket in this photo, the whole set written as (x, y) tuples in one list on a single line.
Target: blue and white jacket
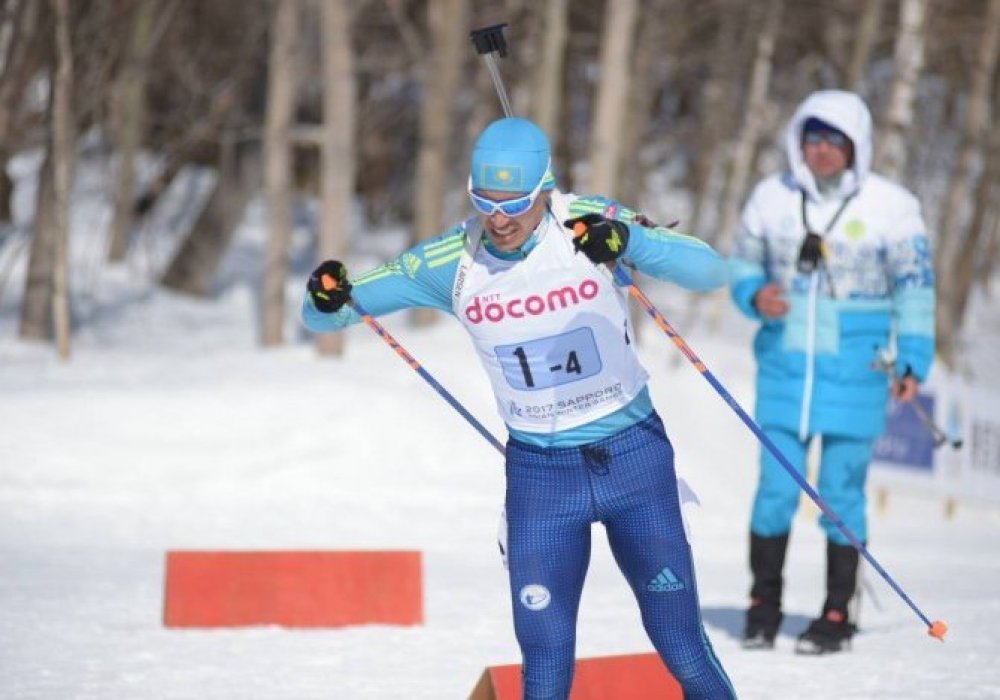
[(432, 274), (875, 292)]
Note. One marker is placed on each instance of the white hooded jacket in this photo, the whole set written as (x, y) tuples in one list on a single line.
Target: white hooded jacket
[(875, 286)]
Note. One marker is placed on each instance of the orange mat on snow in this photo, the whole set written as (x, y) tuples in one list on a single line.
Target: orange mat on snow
[(626, 677), (292, 589)]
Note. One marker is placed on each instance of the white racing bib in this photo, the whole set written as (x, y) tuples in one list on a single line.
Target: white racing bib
[(552, 332)]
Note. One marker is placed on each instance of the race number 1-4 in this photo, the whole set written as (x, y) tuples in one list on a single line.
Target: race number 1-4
[(549, 362)]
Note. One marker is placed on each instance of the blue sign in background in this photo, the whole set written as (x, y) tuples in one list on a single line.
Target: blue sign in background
[(906, 440)]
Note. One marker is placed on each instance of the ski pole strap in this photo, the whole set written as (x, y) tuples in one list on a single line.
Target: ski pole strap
[(419, 369), (936, 629)]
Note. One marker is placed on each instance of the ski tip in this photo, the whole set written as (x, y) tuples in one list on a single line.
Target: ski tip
[(938, 630)]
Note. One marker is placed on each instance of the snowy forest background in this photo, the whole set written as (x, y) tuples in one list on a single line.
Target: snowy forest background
[(347, 120)]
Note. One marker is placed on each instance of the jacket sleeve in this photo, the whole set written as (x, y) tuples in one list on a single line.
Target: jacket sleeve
[(910, 265), (659, 251), (421, 277), (747, 268)]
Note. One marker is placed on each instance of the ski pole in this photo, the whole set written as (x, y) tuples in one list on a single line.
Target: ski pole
[(937, 628), (886, 364), (489, 40), (329, 283), (940, 437)]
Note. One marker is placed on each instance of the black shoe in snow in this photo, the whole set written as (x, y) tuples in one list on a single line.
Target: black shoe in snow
[(758, 639), (763, 620), (826, 635)]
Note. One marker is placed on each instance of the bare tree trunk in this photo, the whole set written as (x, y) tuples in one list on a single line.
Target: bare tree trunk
[(281, 90), (193, 267), (522, 61), (63, 156), (864, 40), (21, 59), (547, 88), (890, 147), (191, 144), (6, 189), (632, 170), (612, 93), (836, 28), (195, 262), (992, 253), (339, 158), (988, 202), (974, 254), (412, 44), (954, 235), (23, 28), (448, 41), (129, 115), (755, 117), (36, 305), (717, 122)]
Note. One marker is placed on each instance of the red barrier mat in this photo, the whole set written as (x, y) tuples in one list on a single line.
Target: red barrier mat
[(626, 677), (293, 589)]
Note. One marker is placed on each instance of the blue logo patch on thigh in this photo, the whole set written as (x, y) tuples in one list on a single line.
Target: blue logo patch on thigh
[(665, 582), (535, 596)]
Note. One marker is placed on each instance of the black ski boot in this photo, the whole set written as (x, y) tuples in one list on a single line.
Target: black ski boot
[(767, 559), (833, 630)]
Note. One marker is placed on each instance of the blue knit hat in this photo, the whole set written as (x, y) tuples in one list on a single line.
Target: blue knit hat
[(511, 155), (814, 124)]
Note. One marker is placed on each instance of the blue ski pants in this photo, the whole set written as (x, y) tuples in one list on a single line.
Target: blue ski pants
[(842, 473), (626, 482)]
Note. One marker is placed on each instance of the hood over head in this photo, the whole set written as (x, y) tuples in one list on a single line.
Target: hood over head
[(846, 112)]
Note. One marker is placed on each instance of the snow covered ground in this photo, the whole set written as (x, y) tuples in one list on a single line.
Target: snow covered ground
[(171, 429)]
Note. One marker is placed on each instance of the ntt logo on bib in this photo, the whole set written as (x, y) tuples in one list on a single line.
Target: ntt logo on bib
[(534, 305)]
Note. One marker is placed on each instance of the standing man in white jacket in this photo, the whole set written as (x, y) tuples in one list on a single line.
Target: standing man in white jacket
[(835, 263)]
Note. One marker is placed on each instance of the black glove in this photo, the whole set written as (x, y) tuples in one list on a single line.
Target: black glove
[(601, 239), (328, 287)]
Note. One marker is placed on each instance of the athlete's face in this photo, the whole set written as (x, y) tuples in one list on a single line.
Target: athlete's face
[(508, 233)]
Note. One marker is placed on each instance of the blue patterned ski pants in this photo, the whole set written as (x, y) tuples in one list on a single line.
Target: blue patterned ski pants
[(626, 482)]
